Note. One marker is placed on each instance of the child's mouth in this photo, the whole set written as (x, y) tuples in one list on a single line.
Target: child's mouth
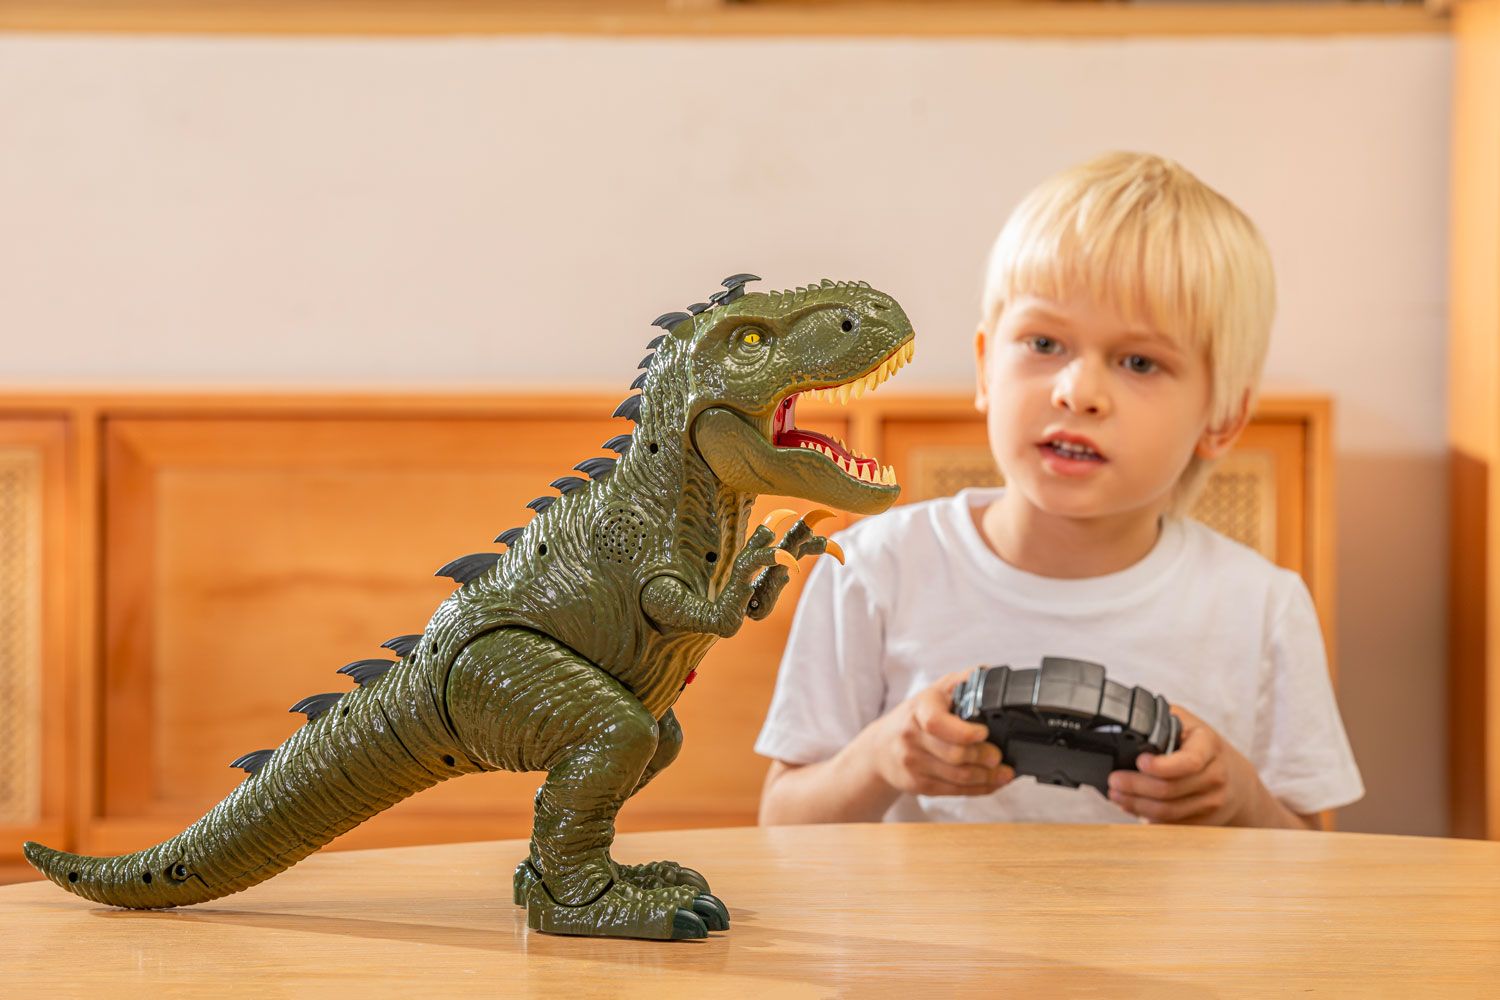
[(1070, 456), (1075, 452)]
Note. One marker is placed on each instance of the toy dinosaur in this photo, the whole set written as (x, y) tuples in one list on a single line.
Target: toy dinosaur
[(566, 653)]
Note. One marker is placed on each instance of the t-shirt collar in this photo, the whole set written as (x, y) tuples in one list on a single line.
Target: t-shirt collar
[(1130, 584)]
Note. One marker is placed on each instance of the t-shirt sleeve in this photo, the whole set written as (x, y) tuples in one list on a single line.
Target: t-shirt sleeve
[(1301, 750), (831, 683)]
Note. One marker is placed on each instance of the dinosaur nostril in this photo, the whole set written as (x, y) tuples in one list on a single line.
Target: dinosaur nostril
[(72, 876)]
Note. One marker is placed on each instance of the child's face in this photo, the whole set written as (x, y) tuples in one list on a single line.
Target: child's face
[(1090, 415)]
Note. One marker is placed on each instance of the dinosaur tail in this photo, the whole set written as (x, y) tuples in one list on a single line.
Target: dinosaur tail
[(360, 753)]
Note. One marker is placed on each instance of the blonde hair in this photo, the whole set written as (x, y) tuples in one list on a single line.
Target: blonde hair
[(1142, 236)]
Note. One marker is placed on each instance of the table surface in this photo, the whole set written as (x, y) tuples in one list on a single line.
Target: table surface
[(823, 910)]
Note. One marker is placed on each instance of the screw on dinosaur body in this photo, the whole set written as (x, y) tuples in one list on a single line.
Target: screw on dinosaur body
[(566, 653)]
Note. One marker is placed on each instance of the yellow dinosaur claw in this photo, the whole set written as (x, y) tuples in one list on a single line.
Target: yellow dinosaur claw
[(785, 558), (775, 519), (832, 548), (812, 517)]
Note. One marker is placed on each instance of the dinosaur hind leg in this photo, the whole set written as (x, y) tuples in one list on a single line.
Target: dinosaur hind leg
[(653, 874), (521, 701)]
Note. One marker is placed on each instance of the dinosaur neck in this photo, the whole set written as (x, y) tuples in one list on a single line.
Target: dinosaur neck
[(705, 519)]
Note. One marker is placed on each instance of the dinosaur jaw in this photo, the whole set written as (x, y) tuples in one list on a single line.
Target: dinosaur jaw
[(799, 462)]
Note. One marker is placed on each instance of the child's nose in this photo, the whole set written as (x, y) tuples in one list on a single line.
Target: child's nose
[(1080, 389)]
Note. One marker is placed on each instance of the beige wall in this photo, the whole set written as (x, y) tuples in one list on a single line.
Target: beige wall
[(503, 212)]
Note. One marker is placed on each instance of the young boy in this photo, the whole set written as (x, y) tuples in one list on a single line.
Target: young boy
[(1126, 312)]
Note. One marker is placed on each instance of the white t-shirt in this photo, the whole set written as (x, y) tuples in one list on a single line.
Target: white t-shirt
[(1201, 620)]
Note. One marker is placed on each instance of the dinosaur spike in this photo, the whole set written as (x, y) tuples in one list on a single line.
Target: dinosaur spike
[(646, 361), (656, 341), (252, 761), (596, 468), (630, 409), (508, 536), (315, 705), (364, 671), (567, 484), (734, 293), (465, 568), (619, 444), (863, 284), (542, 503), (827, 283), (736, 280), (640, 381), (719, 298), (668, 320), (402, 645), (697, 307)]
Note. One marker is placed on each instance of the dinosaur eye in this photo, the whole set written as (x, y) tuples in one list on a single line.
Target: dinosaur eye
[(751, 338), (847, 326)]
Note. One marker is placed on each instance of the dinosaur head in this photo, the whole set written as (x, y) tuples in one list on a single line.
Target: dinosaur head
[(752, 356)]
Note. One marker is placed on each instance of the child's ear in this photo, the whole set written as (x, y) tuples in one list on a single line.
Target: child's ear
[(981, 399), (1215, 441)]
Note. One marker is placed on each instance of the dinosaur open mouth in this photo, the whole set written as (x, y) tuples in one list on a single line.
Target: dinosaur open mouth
[(785, 433)]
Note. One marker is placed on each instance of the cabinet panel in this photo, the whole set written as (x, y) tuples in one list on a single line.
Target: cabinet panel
[(33, 644)]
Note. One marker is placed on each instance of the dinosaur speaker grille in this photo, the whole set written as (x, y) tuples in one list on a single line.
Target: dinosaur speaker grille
[(619, 535)]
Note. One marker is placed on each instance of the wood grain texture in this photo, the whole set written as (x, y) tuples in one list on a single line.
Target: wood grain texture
[(864, 910), (1020, 18)]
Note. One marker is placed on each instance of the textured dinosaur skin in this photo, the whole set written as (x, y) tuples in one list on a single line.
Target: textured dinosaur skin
[(566, 653)]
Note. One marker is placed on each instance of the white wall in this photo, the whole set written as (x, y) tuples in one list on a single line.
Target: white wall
[(498, 212)]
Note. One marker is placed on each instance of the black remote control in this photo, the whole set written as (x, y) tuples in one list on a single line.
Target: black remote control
[(1065, 723)]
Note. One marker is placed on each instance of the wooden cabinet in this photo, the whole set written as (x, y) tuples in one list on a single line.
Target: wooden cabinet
[(230, 553), (36, 752), (1474, 424)]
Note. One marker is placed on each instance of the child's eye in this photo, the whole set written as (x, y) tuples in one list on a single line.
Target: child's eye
[(1043, 344), (1140, 364)]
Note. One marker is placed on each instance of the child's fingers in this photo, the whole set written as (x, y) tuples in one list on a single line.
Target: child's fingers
[(1184, 810), (934, 714), (983, 753), (943, 779), (1135, 784), (1198, 749)]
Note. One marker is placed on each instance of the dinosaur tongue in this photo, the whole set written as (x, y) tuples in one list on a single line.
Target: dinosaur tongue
[(785, 435)]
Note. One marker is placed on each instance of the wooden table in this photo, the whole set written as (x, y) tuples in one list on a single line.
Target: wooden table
[(905, 910)]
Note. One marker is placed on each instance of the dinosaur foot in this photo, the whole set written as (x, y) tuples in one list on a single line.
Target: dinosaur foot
[(651, 875), (659, 874), (664, 914)]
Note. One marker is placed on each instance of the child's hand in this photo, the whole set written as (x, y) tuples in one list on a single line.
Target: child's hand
[(924, 749), (1204, 781)]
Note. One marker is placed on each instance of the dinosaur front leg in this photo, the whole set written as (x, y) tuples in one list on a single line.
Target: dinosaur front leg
[(800, 540), (672, 604)]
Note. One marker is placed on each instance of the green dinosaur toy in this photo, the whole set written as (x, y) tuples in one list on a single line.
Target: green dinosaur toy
[(566, 653)]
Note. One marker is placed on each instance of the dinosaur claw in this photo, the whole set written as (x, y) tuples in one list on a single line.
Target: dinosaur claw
[(713, 911), (774, 519), (812, 517), (833, 549), (785, 558), (688, 924)]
